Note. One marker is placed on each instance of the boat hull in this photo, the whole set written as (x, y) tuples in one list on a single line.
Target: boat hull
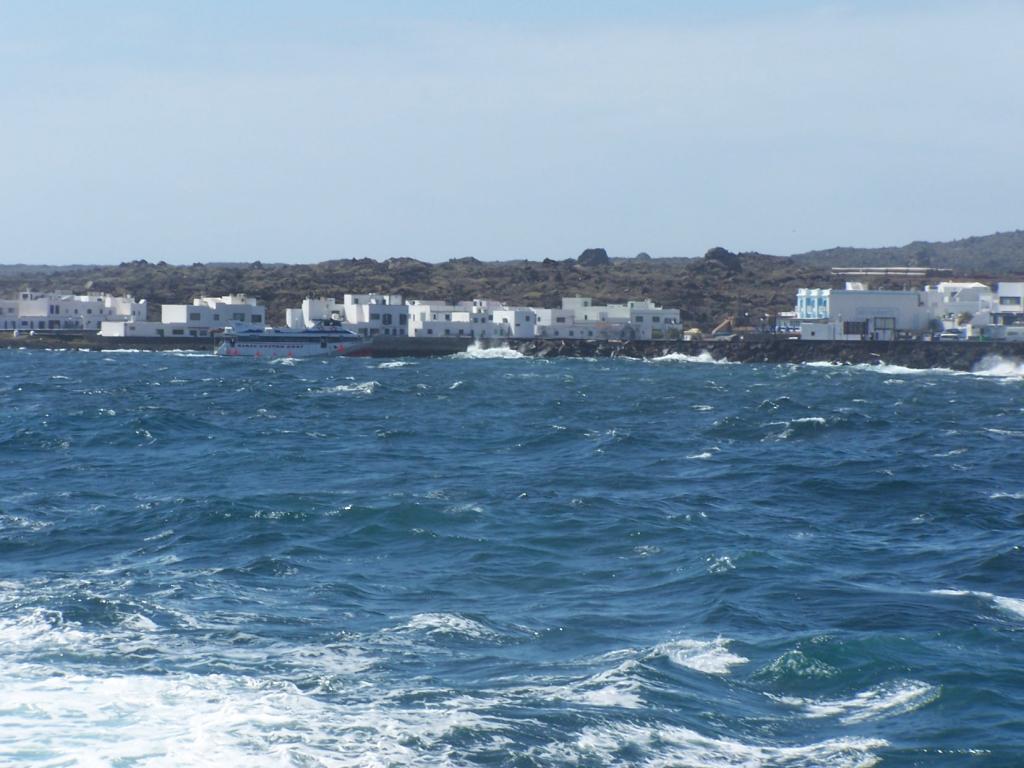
[(273, 347)]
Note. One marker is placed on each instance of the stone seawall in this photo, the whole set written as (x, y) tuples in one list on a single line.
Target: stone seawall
[(959, 356), (382, 346)]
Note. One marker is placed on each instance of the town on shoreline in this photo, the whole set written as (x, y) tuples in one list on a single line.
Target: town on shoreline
[(946, 310), (853, 324)]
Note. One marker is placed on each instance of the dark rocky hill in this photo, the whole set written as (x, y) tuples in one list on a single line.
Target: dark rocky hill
[(704, 289), (1001, 254)]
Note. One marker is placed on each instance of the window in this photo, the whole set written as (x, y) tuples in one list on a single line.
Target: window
[(430, 331), (403, 319), (375, 316), (855, 328), (257, 318), (178, 332), (239, 316), (388, 319), (1009, 301), (88, 311), (193, 316), (447, 332), (559, 319), (448, 316), (216, 316), (655, 319)]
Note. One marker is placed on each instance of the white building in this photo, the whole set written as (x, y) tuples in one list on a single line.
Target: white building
[(202, 317), (515, 322), (579, 317), (962, 307), (368, 314), (32, 311), (1008, 304), (473, 319), (858, 314)]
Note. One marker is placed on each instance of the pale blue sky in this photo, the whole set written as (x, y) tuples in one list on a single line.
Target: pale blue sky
[(302, 131)]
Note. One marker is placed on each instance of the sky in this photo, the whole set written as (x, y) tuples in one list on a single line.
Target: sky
[(246, 130)]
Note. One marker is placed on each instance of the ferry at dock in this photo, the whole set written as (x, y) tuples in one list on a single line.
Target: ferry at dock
[(325, 339)]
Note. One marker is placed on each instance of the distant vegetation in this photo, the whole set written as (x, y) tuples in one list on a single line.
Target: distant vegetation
[(704, 289)]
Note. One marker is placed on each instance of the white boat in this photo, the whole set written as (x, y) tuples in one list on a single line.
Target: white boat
[(322, 340)]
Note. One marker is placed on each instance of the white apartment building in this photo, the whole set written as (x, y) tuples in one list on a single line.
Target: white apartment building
[(856, 313), (368, 314), (579, 317), (202, 317), (515, 322), (32, 311), (1008, 304), (963, 307), (473, 319)]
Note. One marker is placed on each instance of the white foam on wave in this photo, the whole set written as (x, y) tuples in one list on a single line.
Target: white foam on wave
[(886, 368), (999, 367), (990, 366), (810, 420), (478, 352), (191, 720), (359, 388), (679, 357), (395, 364), (618, 687), (448, 624), (1007, 495), (663, 745), (82, 715), (1012, 605), (38, 630), (712, 657), (1005, 432), (140, 623), (881, 701)]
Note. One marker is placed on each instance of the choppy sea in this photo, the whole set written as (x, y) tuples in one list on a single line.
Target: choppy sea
[(493, 560)]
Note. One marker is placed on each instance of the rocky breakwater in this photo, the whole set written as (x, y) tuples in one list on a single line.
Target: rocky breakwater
[(958, 356)]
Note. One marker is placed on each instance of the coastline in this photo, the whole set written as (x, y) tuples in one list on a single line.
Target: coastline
[(958, 356)]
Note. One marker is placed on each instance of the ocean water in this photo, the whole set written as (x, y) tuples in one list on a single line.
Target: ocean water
[(493, 560)]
